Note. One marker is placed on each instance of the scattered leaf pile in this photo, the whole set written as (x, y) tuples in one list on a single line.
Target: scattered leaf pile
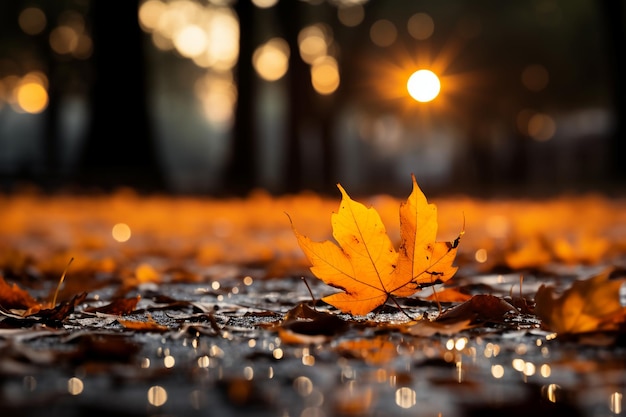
[(228, 280)]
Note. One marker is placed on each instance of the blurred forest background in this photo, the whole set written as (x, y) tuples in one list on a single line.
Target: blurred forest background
[(219, 97)]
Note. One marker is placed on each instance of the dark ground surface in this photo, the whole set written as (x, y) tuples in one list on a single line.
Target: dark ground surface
[(219, 343)]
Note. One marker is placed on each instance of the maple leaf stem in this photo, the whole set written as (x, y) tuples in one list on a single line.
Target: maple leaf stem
[(56, 293), (439, 309), (400, 307), (310, 291)]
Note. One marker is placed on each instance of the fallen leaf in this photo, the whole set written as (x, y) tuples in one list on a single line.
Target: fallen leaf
[(54, 316), (367, 267), (481, 308), (119, 307), (303, 324), (13, 297), (532, 253), (421, 260), (588, 305)]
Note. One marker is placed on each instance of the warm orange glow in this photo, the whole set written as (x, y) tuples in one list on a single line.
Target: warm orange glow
[(325, 75), (271, 60), (389, 74), (31, 97), (423, 85)]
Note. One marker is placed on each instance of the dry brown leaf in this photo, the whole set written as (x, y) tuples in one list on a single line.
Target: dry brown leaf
[(13, 297), (588, 305), (366, 266), (480, 308), (120, 306)]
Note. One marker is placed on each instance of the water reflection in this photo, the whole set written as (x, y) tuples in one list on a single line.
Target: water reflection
[(30, 383), (615, 402), (405, 397), (157, 395), (551, 392), (497, 371), (303, 386), (75, 386)]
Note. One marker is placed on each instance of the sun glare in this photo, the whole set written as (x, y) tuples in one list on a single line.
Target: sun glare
[(423, 85)]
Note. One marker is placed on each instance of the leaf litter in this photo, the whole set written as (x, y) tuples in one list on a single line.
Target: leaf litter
[(207, 312)]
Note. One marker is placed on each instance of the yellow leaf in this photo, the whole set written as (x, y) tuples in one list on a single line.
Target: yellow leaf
[(421, 258), (366, 266), (361, 266), (589, 305)]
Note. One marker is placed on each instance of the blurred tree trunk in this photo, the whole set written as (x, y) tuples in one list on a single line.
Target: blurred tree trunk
[(241, 169), (119, 149), (615, 15), (299, 94)]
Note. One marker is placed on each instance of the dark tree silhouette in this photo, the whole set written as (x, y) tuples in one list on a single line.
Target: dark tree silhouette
[(299, 93), (615, 15), (241, 169), (119, 148)]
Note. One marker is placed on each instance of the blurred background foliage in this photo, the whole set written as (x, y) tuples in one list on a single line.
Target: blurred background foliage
[(222, 97)]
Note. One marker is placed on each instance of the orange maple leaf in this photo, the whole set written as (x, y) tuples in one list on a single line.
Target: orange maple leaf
[(367, 267), (588, 305)]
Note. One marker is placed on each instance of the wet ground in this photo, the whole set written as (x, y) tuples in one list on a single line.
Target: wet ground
[(231, 328)]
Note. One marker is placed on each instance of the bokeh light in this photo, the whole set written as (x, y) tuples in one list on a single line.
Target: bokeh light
[(264, 4), (70, 36), (209, 35), (157, 395), (190, 41), (325, 75), (351, 16), (32, 20), (383, 33), (29, 93), (218, 94), (541, 127), (121, 232), (63, 40), (423, 85), (271, 60), (406, 397), (313, 42), (421, 26), (75, 386)]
